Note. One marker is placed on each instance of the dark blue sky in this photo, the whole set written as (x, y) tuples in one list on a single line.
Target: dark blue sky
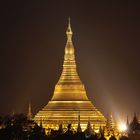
[(107, 43)]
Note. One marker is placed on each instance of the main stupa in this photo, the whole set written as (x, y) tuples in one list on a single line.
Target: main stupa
[(69, 98)]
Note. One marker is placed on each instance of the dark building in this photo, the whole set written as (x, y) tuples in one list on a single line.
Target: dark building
[(134, 129)]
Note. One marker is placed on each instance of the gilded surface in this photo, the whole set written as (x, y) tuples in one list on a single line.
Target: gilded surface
[(69, 97)]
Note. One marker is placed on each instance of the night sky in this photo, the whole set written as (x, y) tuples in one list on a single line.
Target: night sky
[(107, 46)]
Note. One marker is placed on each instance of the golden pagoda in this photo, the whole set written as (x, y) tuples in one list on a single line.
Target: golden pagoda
[(69, 97)]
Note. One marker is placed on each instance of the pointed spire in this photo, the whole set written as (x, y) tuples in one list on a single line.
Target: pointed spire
[(135, 120), (89, 125), (79, 117), (89, 129), (127, 121), (69, 26), (60, 127), (69, 32), (79, 126), (111, 121), (29, 112), (101, 131), (41, 123)]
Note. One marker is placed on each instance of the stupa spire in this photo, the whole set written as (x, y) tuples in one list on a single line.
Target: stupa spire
[(69, 32), (79, 129), (69, 86), (29, 112), (69, 49)]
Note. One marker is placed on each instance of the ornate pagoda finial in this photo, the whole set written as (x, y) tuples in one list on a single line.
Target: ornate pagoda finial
[(69, 32)]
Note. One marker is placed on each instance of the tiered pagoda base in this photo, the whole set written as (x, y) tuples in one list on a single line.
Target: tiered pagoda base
[(66, 112)]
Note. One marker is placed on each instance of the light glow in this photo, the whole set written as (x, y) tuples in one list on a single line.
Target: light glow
[(122, 127), (97, 131)]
